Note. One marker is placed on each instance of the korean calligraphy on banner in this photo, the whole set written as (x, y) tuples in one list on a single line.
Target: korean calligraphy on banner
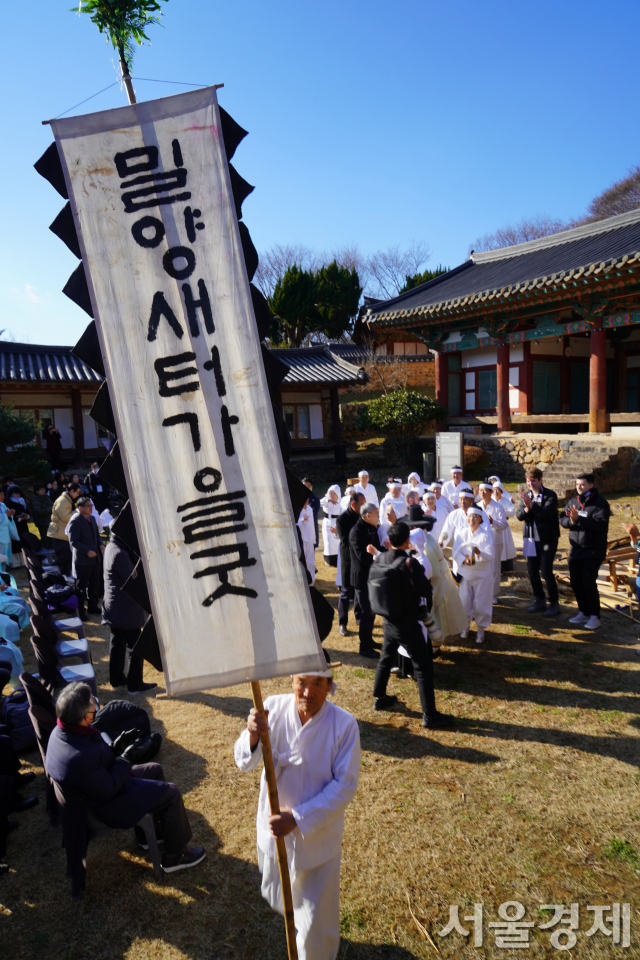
[(153, 208)]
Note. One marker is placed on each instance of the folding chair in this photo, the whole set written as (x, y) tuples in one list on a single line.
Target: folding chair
[(80, 825), (52, 674), (42, 712), (65, 649), (39, 607)]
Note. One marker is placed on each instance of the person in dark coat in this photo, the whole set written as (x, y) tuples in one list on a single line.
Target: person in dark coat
[(97, 488), (407, 632), (87, 548), (125, 618), (586, 518), (361, 536), (53, 444), (314, 503), (119, 794), (539, 511), (41, 507), (344, 524)]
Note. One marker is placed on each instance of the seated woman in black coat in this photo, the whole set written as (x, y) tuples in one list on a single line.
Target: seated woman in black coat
[(118, 793)]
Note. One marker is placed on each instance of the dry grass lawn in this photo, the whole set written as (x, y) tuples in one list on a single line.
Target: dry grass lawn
[(532, 797)]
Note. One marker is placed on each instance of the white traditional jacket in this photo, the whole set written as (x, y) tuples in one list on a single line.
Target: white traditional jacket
[(317, 769), (369, 492), (483, 540)]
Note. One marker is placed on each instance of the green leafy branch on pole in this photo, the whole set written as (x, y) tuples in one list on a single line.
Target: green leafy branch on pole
[(402, 416)]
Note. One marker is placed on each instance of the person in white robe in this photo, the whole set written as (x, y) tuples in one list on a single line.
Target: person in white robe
[(395, 498), (316, 753), (414, 484), (474, 557), (8, 533), (366, 489), (509, 552), (456, 526), (344, 503), (499, 524), (452, 488), (447, 610), (437, 486), (435, 508), (330, 504), (308, 531)]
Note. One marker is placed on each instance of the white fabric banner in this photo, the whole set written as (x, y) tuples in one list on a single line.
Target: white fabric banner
[(151, 197)]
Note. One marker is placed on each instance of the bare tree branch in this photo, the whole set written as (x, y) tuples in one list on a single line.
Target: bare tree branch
[(526, 229)]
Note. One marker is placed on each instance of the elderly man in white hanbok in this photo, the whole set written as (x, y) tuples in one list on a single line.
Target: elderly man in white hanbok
[(452, 488), (307, 529), (474, 557), (509, 552), (395, 498), (498, 526), (330, 504), (438, 486), (435, 508), (456, 525), (316, 752), (366, 489)]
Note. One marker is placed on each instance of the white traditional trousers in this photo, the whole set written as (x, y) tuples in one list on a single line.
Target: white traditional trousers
[(477, 597), (316, 905)]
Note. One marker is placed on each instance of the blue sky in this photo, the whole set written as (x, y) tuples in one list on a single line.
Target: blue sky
[(370, 123)]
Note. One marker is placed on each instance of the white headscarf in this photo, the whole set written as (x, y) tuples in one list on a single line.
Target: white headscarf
[(413, 475), (321, 673), (363, 473), (336, 489)]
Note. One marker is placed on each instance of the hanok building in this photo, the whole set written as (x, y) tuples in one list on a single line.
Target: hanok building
[(542, 334), (57, 388)]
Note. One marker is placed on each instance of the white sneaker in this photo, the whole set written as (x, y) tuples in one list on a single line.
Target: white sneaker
[(479, 637), (592, 623), (464, 634), (580, 618)]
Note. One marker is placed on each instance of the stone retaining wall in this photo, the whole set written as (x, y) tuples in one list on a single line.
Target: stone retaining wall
[(510, 457)]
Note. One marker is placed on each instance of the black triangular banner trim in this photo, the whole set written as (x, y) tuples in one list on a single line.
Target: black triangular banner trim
[(49, 167)]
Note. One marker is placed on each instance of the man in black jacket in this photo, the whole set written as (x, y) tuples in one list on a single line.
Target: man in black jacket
[(344, 524), (125, 617), (539, 511), (363, 535), (97, 488), (87, 552), (587, 520), (407, 631)]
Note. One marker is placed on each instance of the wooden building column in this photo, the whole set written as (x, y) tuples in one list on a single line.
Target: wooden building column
[(598, 421), (78, 425), (442, 383), (502, 384), (526, 387), (340, 453), (620, 367)]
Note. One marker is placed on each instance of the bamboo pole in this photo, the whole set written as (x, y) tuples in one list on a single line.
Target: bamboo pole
[(274, 804), (126, 77)]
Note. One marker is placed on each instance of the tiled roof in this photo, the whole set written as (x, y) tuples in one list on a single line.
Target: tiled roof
[(582, 253), (354, 354), (319, 366), (28, 362)]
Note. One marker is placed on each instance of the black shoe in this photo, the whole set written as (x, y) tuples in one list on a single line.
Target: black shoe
[(18, 804), (143, 688), (370, 654), (385, 703), (119, 684), (438, 720), (190, 857), (93, 609), (82, 615), (25, 778), (538, 607), (553, 611), (343, 631)]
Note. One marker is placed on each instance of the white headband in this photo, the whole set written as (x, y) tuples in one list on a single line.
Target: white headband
[(456, 469), (363, 473), (322, 673), (394, 483), (485, 486), (475, 511), (436, 486)]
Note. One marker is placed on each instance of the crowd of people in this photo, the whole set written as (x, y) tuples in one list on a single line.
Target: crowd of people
[(443, 549)]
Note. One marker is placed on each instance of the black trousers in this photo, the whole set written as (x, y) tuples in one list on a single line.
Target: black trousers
[(584, 574), (62, 550), (88, 584), (169, 812), (347, 594), (542, 563), (367, 618), (422, 660), (125, 666)]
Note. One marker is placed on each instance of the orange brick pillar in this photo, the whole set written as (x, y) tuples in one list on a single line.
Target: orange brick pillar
[(504, 415), (598, 420)]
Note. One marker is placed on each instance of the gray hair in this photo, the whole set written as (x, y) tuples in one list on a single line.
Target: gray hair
[(367, 508), (81, 501), (74, 703)]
